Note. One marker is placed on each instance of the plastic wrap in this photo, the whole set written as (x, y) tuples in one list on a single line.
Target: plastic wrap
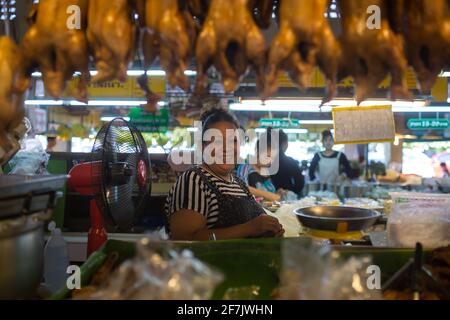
[(315, 272), (156, 274), (31, 158), (419, 217)]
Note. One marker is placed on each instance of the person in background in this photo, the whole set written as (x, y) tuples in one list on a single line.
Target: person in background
[(51, 143), (256, 176), (208, 202), (289, 175), (445, 172), (331, 166)]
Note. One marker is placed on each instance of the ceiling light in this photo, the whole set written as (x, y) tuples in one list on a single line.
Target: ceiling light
[(151, 73), (287, 130)]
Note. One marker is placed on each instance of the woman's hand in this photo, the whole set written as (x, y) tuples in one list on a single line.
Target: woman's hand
[(265, 225), (282, 193)]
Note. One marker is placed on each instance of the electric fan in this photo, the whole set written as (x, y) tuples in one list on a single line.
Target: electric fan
[(118, 177)]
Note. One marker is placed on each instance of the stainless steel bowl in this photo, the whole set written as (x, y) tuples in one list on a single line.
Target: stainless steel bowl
[(22, 254), (338, 219)]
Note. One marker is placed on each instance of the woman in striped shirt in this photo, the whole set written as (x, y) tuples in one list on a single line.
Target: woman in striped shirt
[(208, 202)]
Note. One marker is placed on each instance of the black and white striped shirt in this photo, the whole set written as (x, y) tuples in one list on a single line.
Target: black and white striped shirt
[(192, 193)]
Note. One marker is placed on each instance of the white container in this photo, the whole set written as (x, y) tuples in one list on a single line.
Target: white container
[(56, 260)]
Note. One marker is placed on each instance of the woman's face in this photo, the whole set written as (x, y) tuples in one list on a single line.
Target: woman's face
[(221, 147), (328, 143)]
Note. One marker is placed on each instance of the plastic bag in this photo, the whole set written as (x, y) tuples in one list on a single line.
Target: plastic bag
[(31, 158), (165, 275), (29, 163), (315, 272), (419, 217)]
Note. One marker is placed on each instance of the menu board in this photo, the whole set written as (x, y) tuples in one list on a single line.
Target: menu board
[(360, 125)]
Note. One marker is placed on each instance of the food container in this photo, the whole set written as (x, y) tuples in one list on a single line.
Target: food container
[(22, 247), (26, 202)]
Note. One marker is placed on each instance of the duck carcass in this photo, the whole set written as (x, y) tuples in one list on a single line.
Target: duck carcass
[(14, 82), (56, 44), (231, 41), (427, 37), (305, 40), (371, 52), (111, 35)]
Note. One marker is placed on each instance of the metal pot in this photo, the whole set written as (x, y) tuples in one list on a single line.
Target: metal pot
[(22, 250)]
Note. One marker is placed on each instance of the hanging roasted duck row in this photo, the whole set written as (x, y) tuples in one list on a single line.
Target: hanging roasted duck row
[(228, 36), (14, 82)]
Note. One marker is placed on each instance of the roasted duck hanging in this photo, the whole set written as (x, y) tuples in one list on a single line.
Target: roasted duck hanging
[(111, 35), (231, 41), (13, 84), (170, 34), (427, 37), (372, 53), (57, 50), (304, 41)]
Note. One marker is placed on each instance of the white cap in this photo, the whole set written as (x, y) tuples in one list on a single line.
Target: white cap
[(53, 229)]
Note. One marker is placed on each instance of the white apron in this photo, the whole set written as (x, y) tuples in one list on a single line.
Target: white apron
[(328, 169)]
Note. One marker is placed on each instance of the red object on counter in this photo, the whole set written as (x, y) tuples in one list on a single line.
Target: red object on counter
[(97, 235), (85, 178)]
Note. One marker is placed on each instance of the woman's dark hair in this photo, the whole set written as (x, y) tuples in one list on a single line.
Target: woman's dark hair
[(266, 137), (283, 138), (216, 115), (326, 134)]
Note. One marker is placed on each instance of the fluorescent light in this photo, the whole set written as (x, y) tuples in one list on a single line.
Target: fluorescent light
[(316, 122), (279, 105), (368, 103), (44, 102), (421, 109), (311, 105), (107, 119), (289, 130), (111, 103), (151, 73), (125, 103)]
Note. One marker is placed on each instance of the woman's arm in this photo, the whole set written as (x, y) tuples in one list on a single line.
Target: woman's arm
[(313, 167), (265, 194), (189, 225), (343, 161)]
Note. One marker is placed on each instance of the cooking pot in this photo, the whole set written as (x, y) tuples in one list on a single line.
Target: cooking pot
[(26, 202), (22, 250)]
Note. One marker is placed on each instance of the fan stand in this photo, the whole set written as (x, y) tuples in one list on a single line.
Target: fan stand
[(97, 235)]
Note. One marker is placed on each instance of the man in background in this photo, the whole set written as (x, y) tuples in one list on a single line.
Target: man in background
[(289, 175)]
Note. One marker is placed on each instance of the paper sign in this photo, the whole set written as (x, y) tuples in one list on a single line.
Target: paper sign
[(360, 125)]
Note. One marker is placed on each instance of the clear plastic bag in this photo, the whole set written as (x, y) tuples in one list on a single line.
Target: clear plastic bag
[(31, 158), (314, 272), (419, 217), (29, 163), (160, 273)]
